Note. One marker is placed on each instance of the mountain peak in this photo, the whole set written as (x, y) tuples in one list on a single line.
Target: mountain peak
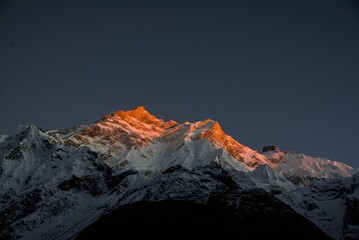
[(135, 127), (140, 114), (140, 109)]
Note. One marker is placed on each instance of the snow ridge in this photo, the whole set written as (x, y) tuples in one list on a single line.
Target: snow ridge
[(302, 169)]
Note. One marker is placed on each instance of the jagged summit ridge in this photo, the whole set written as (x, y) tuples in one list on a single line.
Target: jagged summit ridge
[(139, 140), (139, 114), (120, 130), (136, 139)]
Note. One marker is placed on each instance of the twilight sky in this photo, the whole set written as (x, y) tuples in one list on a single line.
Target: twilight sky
[(271, 72)]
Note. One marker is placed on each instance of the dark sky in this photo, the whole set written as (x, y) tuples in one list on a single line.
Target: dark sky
[(282, 72)]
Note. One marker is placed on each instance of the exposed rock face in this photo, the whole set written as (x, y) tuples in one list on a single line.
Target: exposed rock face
[(268, 148)]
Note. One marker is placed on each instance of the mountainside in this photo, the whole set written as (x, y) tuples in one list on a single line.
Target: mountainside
[(302, 169), (53, 184), (329, 204)]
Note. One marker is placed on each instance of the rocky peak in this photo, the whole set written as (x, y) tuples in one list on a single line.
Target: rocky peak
[(121, 129), (139, 114), (27, 138), (268, 148)]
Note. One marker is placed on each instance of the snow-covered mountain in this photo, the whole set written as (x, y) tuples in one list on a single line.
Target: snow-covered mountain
[(55, 183), (137, 140), (302, 169)]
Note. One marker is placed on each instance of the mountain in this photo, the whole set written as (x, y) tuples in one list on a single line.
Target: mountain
[(54, 184), (302, 169), (137, 140)]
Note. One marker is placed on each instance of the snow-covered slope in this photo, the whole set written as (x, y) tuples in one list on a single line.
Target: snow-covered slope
[(332, 204), (44, 181), (302, 169), (269, 179)]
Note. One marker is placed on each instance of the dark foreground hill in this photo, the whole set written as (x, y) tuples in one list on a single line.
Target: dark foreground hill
[(188, 220)]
